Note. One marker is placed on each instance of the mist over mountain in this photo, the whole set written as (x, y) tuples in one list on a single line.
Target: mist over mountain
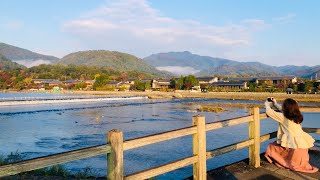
[(111, 59), (6, 64), (24, 56), (181, 63)]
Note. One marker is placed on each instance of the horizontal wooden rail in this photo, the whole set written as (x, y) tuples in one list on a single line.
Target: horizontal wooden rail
[(229, 148), (263, 116), (302, 109), (266, 137), (163, 169), (42, 162), (238, 146), (228, 122), (310, 109), (312, 130), (155, 138)]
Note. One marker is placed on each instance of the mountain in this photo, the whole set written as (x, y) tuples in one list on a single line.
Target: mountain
[(24, 56), (206, 65), (184, 62), (301, 71), (111, 59), (181, 63), (241, 69), (6, 64), (185, 59)]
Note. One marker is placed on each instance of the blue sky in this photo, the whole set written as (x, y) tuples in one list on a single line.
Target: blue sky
[(272, 32)]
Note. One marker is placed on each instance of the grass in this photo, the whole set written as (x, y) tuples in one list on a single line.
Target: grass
[(210, 109), (54, 171)]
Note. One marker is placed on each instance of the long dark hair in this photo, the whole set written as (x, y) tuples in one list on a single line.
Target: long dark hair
[(291, 111)]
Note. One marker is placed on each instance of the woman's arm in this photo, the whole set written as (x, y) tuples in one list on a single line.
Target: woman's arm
[(278, 106), (272, 113)]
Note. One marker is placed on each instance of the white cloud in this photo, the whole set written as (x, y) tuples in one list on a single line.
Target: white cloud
[(133, 26), (179, 70), (285, 19)]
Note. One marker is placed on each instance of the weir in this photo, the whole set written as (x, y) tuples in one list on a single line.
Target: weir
[(116, 146), (35, 101)]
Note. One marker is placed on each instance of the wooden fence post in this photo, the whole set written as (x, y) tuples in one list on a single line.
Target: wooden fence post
[(115, 157), (199, 148), (254, 133)]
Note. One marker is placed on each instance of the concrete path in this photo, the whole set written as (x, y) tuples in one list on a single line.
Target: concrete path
[(267, 171)]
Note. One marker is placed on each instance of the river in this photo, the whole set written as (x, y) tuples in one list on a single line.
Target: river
[(41, 129)]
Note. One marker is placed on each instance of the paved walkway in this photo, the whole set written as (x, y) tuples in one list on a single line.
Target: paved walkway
[(267, 171)]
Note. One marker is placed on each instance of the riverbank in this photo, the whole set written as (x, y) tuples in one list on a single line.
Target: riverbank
[(215, 95)]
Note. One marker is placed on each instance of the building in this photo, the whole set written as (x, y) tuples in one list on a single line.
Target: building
[(160, 84), (113, 84), (276, 80), (204, 82), (242, 79), (89, 83), (232, 86), (269, 80), (72, 81), (117, 85), (52, 82), (41, 81)]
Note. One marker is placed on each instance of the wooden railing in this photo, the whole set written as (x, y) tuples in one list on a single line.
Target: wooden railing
[(116, 146)]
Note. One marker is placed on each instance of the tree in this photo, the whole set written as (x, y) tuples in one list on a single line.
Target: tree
[(27, 80), (308, 85), (147, 85), (179, 83), (139, 85), (252, 87), (295, 88), (172, 83), (189, 82), (80, 85), (100, 81)]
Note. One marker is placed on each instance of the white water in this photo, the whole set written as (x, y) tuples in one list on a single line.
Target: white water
[(13, 103)]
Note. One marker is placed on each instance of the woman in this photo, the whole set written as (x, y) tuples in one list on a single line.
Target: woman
[(291, 148)]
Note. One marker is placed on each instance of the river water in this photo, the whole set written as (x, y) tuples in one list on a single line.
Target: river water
[(42, 129)]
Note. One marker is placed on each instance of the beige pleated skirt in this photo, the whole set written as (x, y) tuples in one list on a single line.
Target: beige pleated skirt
[(293, 159)]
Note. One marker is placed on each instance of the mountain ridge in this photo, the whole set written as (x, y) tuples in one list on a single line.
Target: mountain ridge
[(214, 65), (111, 59), (24, 56)]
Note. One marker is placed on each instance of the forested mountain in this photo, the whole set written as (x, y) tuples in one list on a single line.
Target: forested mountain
[(65, 72), (6, 64), (111, 59), (206, 65), (185, 59), (243, 69), (24, 56), (301, 71)]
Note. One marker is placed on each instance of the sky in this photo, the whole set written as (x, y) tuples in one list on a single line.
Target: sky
[(274, 32)]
